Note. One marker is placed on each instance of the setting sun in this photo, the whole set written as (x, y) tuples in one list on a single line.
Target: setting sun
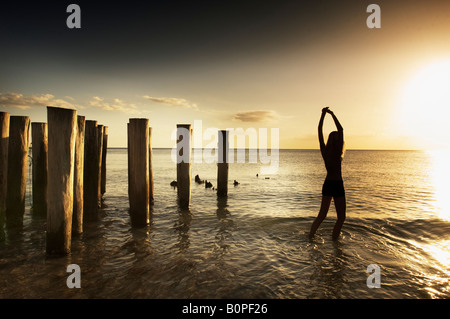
[(425, 104)]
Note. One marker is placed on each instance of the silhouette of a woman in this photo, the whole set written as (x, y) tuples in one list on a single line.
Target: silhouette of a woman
[(333, 187)]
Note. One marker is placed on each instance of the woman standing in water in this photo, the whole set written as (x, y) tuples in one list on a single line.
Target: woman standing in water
[(333, 187)]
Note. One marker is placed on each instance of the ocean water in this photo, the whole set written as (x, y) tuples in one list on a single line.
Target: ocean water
[(254, 243)]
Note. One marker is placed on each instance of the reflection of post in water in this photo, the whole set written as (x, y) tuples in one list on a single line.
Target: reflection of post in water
[(182, 225), (225, 226), (222, 204)]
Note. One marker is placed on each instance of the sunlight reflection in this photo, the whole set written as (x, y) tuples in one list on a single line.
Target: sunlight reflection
[(440, 174), (435, 283)]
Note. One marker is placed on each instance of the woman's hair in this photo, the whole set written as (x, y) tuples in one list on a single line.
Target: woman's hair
[(334, 146)]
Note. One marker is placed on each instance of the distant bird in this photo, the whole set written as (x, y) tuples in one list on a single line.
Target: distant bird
[(208, 184), (198, 180), (236, 183), (173, 183)]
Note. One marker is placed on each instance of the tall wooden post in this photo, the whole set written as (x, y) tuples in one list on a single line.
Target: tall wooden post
[(17, 170), (91, 171), (62, 128), (150, 167), (104, 151), (100, 153), (39, 151), (222, 164), (138, 167), (4, 139), (77, 216), (184, 164)]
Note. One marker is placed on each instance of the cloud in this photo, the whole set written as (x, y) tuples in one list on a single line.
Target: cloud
[(116, 105), (171, 101), (25, 102), (255, 116)]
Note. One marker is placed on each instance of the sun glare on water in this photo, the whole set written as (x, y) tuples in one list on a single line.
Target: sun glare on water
[(440, 176), (426, 105)]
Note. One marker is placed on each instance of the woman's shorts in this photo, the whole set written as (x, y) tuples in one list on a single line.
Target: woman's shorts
[(333, 188)]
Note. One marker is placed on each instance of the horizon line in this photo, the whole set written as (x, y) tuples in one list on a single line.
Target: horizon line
[(291, 149)]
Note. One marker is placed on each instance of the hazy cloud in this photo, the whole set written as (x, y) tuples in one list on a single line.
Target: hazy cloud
[(171, 101), (255, 116), (116, 105), (24, 102)]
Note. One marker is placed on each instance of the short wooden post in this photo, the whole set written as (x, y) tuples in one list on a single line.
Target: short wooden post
[(104, 151), (4, 139), (222, 164), (77, 216), (100, 155), (62, 128), (91, 171), (184, 164), (17, 169), (39, 151), (150, 167), (138, 151)]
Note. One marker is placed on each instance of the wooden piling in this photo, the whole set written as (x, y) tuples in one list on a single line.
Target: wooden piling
[(104, 151), (62, 128), (39, 151), (78, 204), (184, 164), (91, 172), (100, 155), (150, 167), (222, 164), (4, 139), (17, 169), (138, 168)]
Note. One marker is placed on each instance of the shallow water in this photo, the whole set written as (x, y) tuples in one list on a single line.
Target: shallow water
[(253, 244)]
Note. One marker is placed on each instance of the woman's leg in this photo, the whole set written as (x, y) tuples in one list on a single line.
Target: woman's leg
[(340, 204), (326, 200)]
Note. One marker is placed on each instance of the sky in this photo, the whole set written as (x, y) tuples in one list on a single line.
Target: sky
[(235, 64)]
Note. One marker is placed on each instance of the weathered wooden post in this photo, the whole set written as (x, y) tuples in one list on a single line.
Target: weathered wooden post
[(19, 128), (77, 216), (222, 164), (184, 164), (91, 171), (150, 167), (39, 154), (100, 153), (138, 168), (104, 151), (62, 128), (4, 139)]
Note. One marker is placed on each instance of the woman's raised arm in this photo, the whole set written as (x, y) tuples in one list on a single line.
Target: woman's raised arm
[(320, 130), (339, 127)]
